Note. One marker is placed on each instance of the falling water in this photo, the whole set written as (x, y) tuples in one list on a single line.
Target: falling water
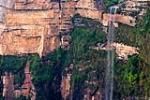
[(110, 58)]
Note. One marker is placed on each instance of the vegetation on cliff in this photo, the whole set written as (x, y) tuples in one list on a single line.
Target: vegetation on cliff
[(47, 72), (88, 64), (14, 65), (111, 2), (132, 77)]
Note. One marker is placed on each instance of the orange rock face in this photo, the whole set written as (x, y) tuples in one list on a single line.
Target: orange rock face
[(36, 26), (65, 86), (25, 40), (41, 18)]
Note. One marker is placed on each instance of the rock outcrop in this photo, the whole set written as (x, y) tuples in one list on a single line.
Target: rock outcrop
[(8, 80), (40, 26), (135, 7), (122, 50), (27, 89)]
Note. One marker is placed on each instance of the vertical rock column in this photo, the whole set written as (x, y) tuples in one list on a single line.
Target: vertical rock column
[(8, 82)]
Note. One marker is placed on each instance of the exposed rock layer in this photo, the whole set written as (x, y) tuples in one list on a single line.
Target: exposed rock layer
[(38, 26)]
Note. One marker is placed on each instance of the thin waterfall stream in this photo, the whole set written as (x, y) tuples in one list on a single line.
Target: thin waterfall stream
[(110, 57)]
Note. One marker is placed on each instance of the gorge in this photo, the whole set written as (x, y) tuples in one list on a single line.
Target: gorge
[(60, 46)]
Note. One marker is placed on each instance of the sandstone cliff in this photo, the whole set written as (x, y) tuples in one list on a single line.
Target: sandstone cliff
[(39, 26)]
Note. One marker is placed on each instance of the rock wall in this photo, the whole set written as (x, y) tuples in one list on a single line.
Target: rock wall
[(27, 89), (8, 80), (40, 26), (122, 50)]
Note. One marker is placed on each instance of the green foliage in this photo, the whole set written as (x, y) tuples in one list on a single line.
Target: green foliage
[(11, 63), (138, 36), (15, 65), (23, 98), (143, 26), (41, 72), (78, 77), (133, 77), (83, 38), (111, 2), (130, 74), (1, 98), (19, 77), (83, 58)]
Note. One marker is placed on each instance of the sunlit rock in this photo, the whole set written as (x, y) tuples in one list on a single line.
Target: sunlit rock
[(42, 29), (122, 50)]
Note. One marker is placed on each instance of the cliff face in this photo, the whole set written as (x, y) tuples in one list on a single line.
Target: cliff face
[(8, 80), (40, 26), (27, 32)]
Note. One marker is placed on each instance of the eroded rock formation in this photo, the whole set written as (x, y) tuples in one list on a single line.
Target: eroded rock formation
[(8, 80), (122, 50), (39, 26), (27, 89)]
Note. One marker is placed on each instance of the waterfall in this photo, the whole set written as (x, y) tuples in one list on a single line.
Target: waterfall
[(110, 57)]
